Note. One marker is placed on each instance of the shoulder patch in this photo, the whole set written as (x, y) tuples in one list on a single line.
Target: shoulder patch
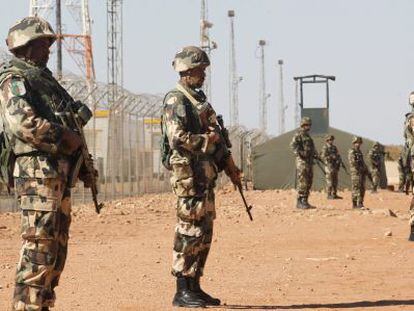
[(17, 87), (180, 111), (172, 100)]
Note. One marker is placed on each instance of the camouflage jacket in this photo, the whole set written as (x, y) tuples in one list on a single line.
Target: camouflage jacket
[(375, 156), (186, 125), (330, 156), (356, 161), (303, 147), (29, 98)]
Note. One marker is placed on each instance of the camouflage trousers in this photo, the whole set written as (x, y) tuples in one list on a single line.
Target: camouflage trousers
[(304, 178), (45, 206), (376, 176), (358, 187), (193, 234), (402, 176), (331, 176)]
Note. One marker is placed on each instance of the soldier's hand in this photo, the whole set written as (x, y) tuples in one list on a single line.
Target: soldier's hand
[(213, 137), (69, 143)]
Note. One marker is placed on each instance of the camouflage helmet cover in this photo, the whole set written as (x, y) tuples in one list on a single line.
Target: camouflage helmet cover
[(329, 137), (357, 139), (190, 57), (28, 29), (376, 144), (305, 121)]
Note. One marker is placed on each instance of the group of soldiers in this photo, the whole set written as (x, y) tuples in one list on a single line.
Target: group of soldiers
[(194, 145), (306, 156)]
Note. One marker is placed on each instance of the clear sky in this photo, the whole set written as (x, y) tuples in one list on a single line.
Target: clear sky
[(366, 44)]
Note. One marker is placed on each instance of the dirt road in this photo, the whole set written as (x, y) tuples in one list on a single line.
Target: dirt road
[(330, 258)]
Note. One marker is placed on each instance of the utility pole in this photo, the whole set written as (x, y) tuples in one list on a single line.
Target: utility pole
[(58, 39), (206, 44), (282, 107), (115, 82), (263, 96), (297, 110), (234, 79)]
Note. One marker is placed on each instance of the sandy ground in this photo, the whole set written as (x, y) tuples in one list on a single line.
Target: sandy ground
[(330, 258)]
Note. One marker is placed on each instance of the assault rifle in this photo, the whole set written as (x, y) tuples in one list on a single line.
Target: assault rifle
[(224, 133), (342, 164), (83, 157)]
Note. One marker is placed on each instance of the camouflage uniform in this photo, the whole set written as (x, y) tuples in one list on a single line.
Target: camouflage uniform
[(187, 119), (29, 96), (305, 152), (332, 159), (358, 171), (375, 157)]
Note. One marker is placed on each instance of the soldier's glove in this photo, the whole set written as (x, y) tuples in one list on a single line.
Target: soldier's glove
[(69, 143), (88, 178), (233, 172)]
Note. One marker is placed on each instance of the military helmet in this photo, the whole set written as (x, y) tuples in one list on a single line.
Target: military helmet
[(190, 57), (357, 139), (305, 121), (28, 29), (376, 144), (329, 137), (411, 99)]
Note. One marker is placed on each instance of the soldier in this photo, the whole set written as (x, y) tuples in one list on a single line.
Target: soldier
[(31, 100), (194, 150), (375, 156), (332, 159), (359, 172), (304, 150)]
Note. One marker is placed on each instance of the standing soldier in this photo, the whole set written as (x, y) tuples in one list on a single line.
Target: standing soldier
[(332, 159), (193, 148), (375, 156), (304, 150), (39, 132), (359, 172)]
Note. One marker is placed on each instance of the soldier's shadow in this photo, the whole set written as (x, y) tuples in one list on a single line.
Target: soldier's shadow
[(340, 305)]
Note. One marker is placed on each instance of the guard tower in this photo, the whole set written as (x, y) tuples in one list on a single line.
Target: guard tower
[(319, 115)]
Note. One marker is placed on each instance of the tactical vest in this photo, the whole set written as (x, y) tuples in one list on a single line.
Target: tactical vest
[(44, 94), (307, 146)]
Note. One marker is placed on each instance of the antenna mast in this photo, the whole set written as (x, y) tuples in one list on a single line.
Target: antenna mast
[(234, 79), (282, 107)]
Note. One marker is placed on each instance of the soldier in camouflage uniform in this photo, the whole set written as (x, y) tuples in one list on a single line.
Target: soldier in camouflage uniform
[(332, 159), (359, 172), (305, 152), (375, 156), (30, 97), (196, 155)]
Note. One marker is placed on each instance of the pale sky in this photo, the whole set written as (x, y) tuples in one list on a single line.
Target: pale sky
[(366, 44)]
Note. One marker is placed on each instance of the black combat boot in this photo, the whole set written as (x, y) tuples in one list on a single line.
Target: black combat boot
[(301, 203), (411, 237), (330, 196), (194, 285), (185, 297), (360, 205), (374, 189), (45, 309), (354, 204), (337, 197)]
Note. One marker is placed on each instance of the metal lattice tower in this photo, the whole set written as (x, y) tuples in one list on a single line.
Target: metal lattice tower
[(263, 96), (206, 44), (281, 106), (77, 41), (234, 79)]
